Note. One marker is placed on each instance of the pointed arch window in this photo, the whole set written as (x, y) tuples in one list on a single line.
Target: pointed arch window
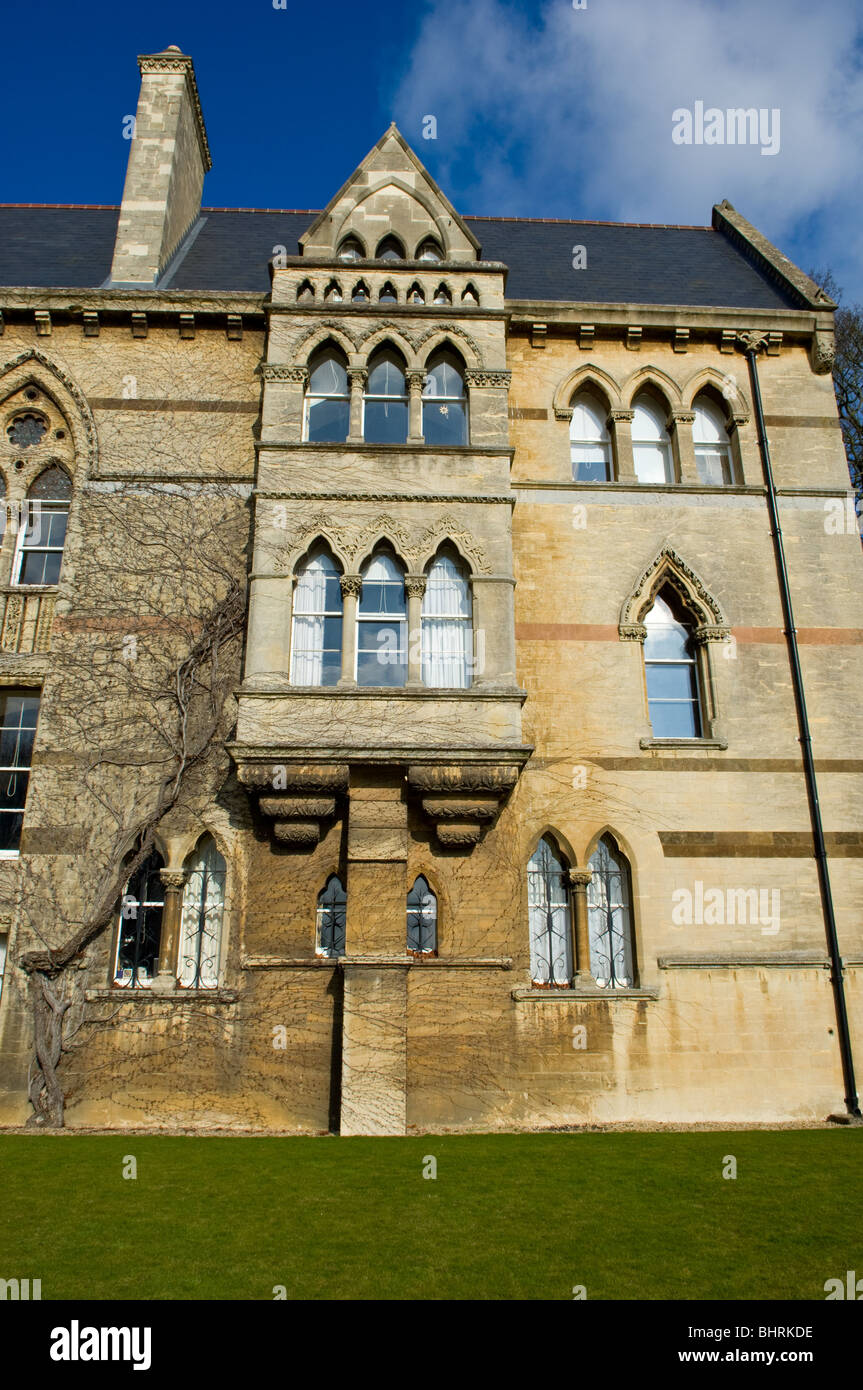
[(201, 920), (140, 930), (590, 443), (422, 920), (333, 293), (331, 918), (3, 508), (429, 250), (447, 626), (382, 623), (550, 926), (316, 636), (385, 419), (712, 444), (350, 249), (388, 294), (672, 674), (609, 907), (360, 293), (19, 712), (390, 249), (416, 293), (651, 444), (328, 398), (42, 536), (444, 401), (442, 295)]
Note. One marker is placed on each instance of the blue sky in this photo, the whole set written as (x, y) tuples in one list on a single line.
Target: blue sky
[(542, 109)]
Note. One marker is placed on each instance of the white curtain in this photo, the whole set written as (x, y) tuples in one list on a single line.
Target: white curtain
[(201, 922), (548, 908), (710, 437), (447, 630), (651, 445), (310, 610), (609, 917)]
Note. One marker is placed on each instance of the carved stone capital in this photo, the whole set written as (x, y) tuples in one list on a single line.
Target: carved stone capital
[(632, 632), (415, 379), (680, 417), (710, 632), (358, 376), (415, 585), (477, 376), (579, 879), (563, 412), (351, 584), (173, 880), (618, 417)]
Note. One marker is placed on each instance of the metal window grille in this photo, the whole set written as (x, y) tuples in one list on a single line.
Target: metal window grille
[(203, 908), (332, 915), (610, 917), (140, 933), (422, 920), (550, 931)]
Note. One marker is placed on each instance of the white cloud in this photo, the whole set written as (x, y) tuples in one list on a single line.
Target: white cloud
[(568, 113)]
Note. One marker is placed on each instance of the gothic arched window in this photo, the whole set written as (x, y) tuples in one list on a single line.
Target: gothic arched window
[(386, 400), (328, 398), (422, 920), (331, 918), (42, 537), (382, 657), (201, 920), (672, 673), (390, 249), (350, 249), (429, 250), (316, 636), (444, 400), (609, 906), (548, 907), (140, 932), (651, 445), (712, 445), (590, 444), (447, 626)]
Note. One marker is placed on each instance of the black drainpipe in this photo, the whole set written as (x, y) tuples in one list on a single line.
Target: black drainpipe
[(752, 343)]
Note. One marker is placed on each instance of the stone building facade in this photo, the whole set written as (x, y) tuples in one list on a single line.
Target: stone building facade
[(510, 827)]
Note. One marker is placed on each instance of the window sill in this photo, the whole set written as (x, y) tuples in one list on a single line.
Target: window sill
[(31, 588), (145, 995), (720, 743), (546, 996), (10, 854), (423, 962)]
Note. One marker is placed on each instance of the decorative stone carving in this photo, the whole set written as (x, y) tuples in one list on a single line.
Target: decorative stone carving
[(752, 340), (620, 416), (415, 585), (271, 371), (297, 807), (351, 585), (579, 879), (669, 567), (298, 777), (822, 352), (464, 797), (353, 540), (463, 777), (458, 833), (297, 832), (476, 376), (290, 796), (710, 632), (632, 632), (563, 412), (173, 880)]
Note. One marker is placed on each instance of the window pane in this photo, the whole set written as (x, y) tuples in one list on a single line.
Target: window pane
[(445, 422), (652, 463), (548, 907), (590, 463), (381, 653), (443, 379), (667, 639), (40, 567), (714, 468), (386, 376), (673, 720), (329, 421), (386, 422), (670, 681), (328, 377)]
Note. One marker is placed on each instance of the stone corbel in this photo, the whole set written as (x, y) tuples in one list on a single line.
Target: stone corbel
[(297, 799), (822, 352), (461, 800), (632, 632), (711, 632)]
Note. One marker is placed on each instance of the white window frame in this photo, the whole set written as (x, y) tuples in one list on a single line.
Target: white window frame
[(378, 619), (22, 550)]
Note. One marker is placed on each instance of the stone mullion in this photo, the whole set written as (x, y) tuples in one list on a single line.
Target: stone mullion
[(415, 587), (358, 377), (620, 425), (415, 382), (351, 586), (578, 881), (680, 424), (173, 882)]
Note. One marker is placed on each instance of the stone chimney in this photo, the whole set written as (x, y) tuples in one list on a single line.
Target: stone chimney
[(167, 163)]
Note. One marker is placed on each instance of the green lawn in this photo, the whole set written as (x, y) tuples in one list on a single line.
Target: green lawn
[(627, 1215)]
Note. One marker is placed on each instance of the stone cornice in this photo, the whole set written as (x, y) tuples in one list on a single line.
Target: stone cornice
[(615, 319), (74, 301)]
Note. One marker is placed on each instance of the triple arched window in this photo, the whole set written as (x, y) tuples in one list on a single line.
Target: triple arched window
[(653, 455), (381, 641), (385, 412)]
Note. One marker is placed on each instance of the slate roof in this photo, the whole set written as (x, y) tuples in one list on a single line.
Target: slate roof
[(72, 247)]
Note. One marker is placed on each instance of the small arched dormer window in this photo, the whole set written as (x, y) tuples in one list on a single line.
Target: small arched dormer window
[(609, 909), (589, 441), (316, 627), (712, 444), (331, 922), (442, 295), (351, 249), (328, 397), (388, 294), (429, 250), (139, 935), (201, 921), (445, 400), (447, 625), (385, 416), (422, 920), (550, 925), (670, 665), (390, 249), (651, 445), (39, 552), (382, 656)]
